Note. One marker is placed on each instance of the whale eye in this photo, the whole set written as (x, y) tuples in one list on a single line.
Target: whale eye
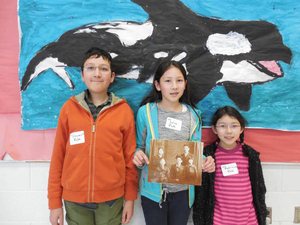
[(232, 43)]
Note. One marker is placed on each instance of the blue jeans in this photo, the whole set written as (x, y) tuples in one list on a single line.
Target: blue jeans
[(174, 211)]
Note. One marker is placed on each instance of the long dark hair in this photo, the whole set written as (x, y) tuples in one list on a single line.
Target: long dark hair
[(232, 112), (155, 95)]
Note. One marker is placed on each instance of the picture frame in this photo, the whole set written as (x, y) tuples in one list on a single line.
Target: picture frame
[(176, 162)]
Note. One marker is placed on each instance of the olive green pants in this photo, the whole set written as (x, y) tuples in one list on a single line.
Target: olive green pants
[(103, 215)]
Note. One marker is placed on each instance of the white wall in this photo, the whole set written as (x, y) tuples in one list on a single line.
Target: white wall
[(23, 193)]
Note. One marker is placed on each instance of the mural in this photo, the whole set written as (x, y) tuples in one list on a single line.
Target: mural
[(230, 59)]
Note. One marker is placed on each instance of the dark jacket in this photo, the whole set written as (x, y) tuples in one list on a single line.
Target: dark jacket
[(203, 209)]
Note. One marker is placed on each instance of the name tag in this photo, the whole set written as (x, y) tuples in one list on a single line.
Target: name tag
[(77, 138), (173, 124), (229, 169)]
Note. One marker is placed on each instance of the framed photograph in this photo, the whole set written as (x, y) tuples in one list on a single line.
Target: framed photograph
[(176, 162)]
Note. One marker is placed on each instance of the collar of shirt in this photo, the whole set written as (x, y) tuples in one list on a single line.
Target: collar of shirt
[(95, 110)]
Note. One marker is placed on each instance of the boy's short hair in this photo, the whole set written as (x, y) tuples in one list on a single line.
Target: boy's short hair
[(95, 51)]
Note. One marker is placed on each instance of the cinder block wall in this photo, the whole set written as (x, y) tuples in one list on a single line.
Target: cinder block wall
[(23, 193)]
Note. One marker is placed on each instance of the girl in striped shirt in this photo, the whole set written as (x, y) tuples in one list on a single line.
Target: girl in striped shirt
[(235, 193)]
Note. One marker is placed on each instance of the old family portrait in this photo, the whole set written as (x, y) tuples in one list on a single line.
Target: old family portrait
[(177, 162)]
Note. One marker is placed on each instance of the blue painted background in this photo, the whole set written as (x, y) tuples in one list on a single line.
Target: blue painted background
[(274, 105)]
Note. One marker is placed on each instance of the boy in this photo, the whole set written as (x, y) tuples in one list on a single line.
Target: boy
[(186, 155), (91, 166)]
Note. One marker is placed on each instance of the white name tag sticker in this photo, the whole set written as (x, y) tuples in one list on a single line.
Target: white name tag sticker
[(229, 169), (173, 124), (77, 138)]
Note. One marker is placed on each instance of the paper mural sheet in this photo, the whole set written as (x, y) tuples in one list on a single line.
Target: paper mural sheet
[(232, 58)]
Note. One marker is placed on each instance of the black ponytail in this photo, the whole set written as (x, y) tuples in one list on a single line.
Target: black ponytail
[(244, 147)]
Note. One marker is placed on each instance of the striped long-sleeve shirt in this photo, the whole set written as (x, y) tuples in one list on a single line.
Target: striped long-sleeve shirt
[(233, 194)]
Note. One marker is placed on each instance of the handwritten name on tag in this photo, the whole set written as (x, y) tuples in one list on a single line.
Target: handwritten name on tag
[(174, 124), (229, 169), (77, 138)]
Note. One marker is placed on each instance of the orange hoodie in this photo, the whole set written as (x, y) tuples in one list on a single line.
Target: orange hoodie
[(92, 161)]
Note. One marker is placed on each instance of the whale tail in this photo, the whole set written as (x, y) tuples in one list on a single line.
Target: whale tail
[(42, 61)]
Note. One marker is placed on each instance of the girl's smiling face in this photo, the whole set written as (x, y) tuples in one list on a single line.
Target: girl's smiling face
[(228, 130), (172, 85)]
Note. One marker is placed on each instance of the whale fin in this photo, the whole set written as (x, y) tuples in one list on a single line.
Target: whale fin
[(240, 94)]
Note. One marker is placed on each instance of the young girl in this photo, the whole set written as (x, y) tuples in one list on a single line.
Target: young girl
[(167, 204), (235, 193)]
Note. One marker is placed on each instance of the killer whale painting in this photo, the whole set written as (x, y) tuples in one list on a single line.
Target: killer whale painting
[(225, 58)]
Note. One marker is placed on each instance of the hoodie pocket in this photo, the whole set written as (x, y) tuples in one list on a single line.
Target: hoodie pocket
[(77, 175), (107, 177)]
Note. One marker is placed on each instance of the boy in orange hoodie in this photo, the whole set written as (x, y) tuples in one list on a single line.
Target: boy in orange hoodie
[(91, 165)]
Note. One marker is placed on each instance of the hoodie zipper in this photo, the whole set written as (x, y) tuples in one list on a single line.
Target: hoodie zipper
[(90, 160)]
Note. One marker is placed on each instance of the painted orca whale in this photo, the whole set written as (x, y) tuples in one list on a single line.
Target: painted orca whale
[(235, 54)]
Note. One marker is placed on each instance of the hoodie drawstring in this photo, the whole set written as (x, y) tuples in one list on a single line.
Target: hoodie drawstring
[(164, 191)]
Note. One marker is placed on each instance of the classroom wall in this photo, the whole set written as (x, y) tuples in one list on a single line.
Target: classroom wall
[(23, 193)]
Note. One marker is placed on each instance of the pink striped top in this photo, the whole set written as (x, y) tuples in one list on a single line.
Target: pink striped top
[(233, 194)]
